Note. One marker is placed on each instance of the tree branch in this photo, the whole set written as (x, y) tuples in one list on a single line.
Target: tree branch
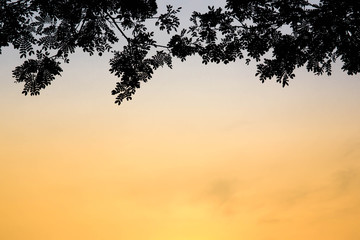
[(117, 26)]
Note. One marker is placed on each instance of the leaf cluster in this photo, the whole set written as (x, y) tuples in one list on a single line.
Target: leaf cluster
[(279, 35), (55, 29), (37, 74)]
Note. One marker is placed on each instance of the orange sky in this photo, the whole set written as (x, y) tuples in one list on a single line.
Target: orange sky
[(200, 153)]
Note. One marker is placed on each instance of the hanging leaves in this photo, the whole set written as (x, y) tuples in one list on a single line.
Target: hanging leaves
[(37, 74), (279, 35), (25, 46)]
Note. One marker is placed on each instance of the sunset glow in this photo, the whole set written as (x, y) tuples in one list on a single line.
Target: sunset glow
[(200, 153)]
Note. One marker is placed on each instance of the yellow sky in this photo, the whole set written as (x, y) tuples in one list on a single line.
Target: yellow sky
[(201, 153)]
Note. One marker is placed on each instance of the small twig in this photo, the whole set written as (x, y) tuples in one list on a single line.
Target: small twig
[(162, 46)]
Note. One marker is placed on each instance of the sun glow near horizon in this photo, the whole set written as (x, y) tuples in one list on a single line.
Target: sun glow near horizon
[(265, 165)]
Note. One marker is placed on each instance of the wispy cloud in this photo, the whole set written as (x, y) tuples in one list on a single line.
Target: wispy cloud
[(222, 190), (346, 179)]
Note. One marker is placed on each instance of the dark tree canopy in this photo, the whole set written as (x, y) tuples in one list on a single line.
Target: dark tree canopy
[(280, 35)]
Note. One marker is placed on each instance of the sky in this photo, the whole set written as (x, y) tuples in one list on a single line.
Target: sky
[(200, 153)]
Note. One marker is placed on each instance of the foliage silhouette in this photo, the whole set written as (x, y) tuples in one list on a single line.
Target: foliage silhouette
[(280, 35)]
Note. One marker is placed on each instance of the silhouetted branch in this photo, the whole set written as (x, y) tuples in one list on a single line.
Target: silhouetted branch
[(117, 26)]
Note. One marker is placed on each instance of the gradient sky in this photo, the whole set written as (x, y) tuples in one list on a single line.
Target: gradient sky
[(200, 153)]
